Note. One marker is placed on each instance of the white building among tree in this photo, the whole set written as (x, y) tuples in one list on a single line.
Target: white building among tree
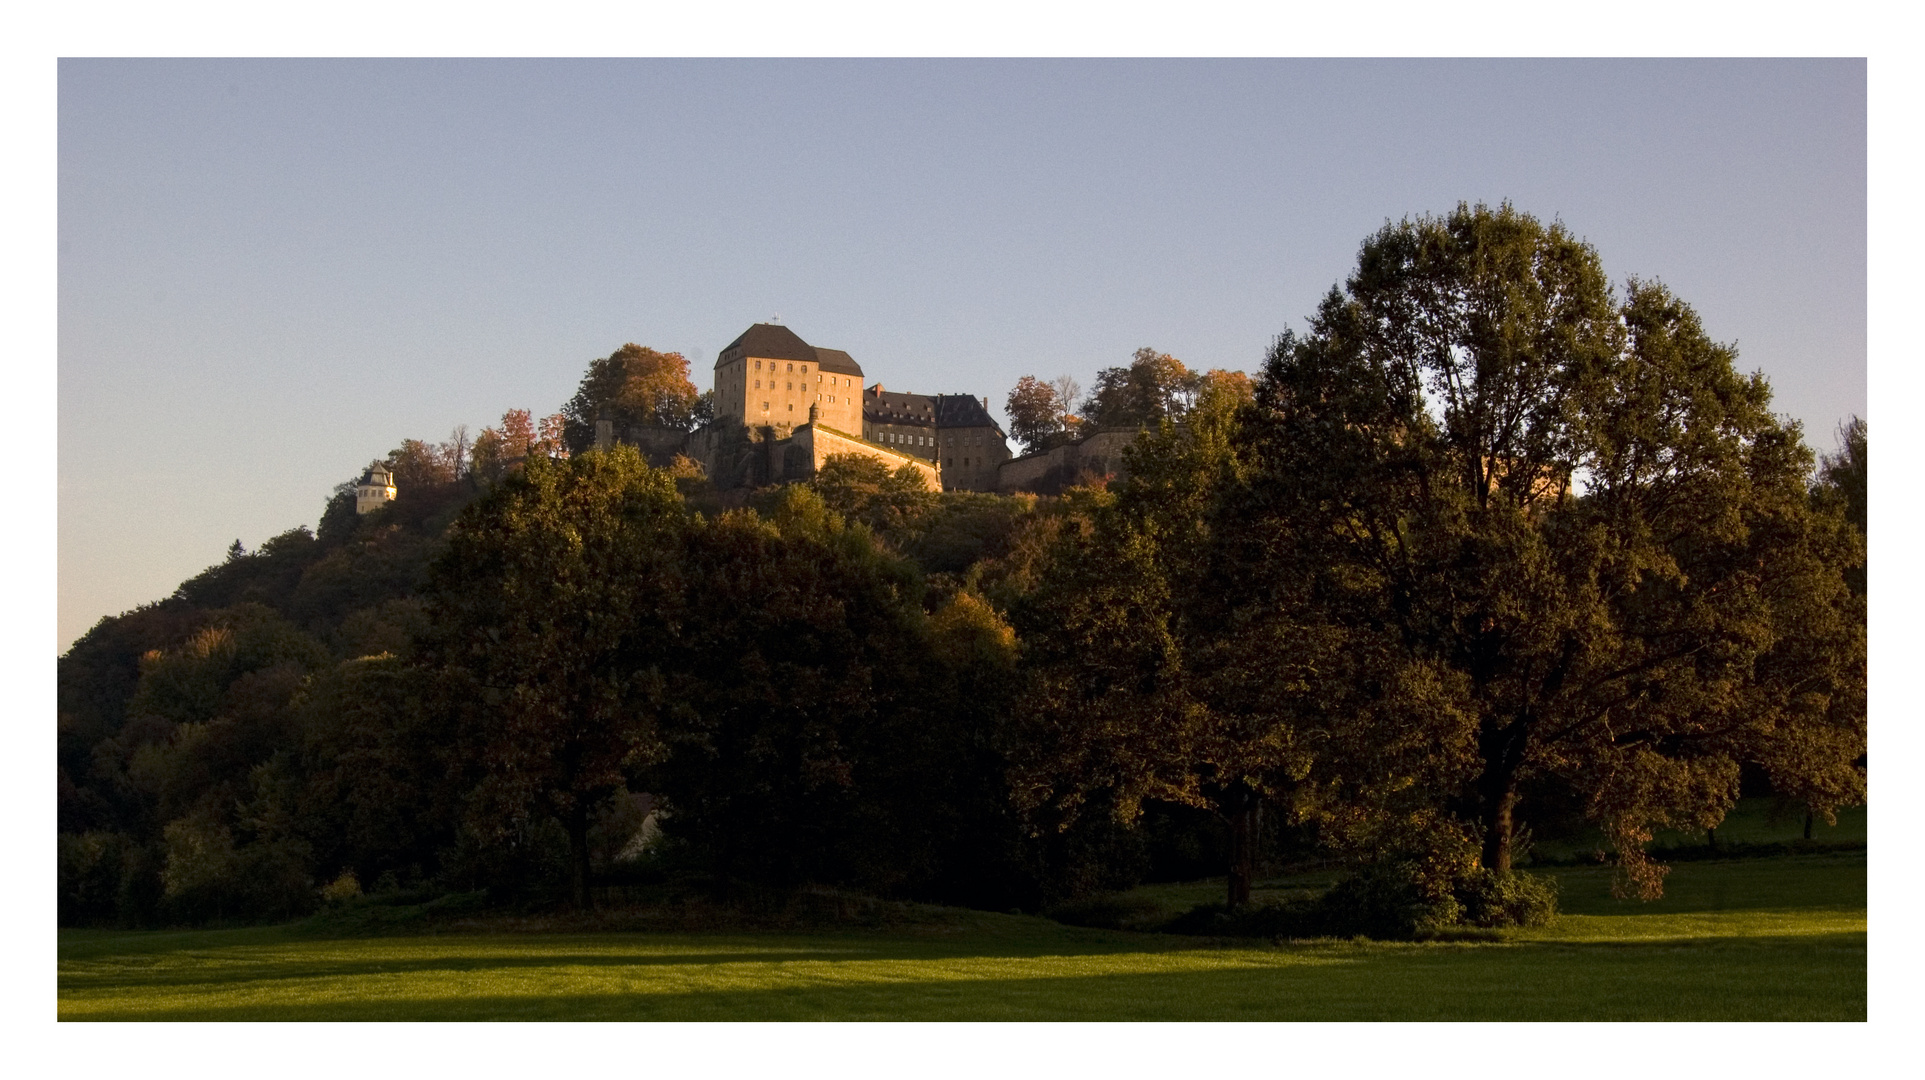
[(375, 489)]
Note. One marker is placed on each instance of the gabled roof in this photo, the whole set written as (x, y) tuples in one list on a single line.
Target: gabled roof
[(961, 410), (940, 410), (837, 361), (892, 408), (773, 341)]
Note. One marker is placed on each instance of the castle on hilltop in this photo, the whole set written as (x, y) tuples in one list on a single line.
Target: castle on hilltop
[(783, 407)]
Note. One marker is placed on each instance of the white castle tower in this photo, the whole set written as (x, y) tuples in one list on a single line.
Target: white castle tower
[(375, 489)]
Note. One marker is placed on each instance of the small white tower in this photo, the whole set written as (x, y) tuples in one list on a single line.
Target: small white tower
[(375, 489)]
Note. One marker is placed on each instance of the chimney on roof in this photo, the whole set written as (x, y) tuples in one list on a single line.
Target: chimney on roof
[(876, 389)]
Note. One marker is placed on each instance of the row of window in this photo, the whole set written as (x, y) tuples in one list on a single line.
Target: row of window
[(833, 379), (791, 386)]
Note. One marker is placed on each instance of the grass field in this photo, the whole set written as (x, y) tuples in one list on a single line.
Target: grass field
[(1778, 938)]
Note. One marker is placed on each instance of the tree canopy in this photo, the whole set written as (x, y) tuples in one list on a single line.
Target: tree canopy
[(1154, 387), (555, 606), (1572, 516), (632, 385)]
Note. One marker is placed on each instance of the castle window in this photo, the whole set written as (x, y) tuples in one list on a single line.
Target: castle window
[(758, 384), (765, 406), (791, 367), (805, 369), (758, 365)]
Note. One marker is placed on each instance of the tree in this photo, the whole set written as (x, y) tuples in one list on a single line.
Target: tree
[(497, 451), (1142, 687), (864, 489), (633, 385), (554, 607), (1067, 390), (1155, 386), (1034, 413), (1574, 519), (416, 464), (788, 683), (1842, 487)]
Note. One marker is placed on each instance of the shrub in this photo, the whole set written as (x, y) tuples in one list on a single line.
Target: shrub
[(1389, 900), (90, 877), (341, 889), (1396, 900), (1495, 898)]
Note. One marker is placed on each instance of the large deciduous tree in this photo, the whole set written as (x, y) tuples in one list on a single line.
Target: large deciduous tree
[(1142, 688), (555, 606), (1154, 387), (1575, 516), (1034, 413), (788, 694), (632, 385)]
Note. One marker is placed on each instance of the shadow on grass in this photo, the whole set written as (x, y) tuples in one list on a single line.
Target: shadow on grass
[(1814, 977), (221, 967)]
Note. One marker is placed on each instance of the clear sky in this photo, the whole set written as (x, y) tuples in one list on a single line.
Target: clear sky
[(271, 272)]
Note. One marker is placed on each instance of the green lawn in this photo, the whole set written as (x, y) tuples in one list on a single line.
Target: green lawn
[(1779, 938)]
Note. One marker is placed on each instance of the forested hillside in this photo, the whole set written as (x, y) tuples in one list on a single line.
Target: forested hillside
[(1489, 551)]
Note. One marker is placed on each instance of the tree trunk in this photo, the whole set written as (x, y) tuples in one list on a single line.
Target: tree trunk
[(1246, 821), (577, 825), (1502, 749), (1711, 839), (1807, 823), (1498, 827)]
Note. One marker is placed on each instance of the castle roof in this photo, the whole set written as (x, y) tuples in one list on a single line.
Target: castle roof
[(880, 406), (773, 341), (837, 361), (927, 410), (961, 410)]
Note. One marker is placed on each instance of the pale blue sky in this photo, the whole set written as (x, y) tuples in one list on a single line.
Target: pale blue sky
[(273, 271)]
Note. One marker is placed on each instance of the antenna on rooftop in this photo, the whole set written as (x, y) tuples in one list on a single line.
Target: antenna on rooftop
[(776, 319)]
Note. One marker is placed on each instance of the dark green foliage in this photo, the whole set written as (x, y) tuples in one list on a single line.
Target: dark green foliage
[(1842, 488), (966, 528), (91, 867), (212, 711), (338, 518), (554, 612), (802, 646), (1393, 900)]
